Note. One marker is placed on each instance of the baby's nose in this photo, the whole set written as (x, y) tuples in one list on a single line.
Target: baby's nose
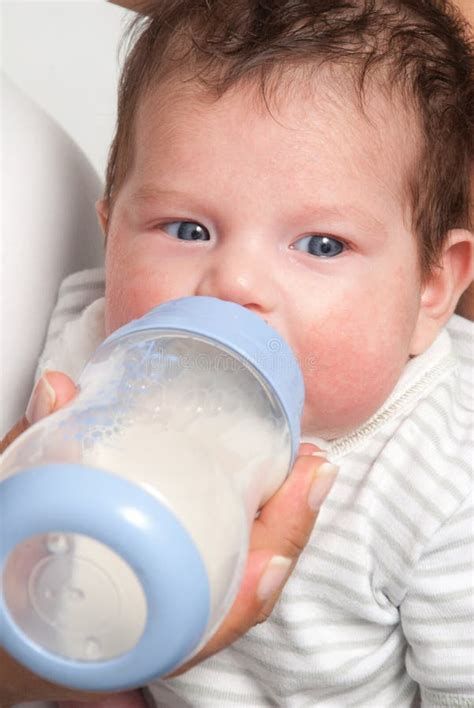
[(240, 275)]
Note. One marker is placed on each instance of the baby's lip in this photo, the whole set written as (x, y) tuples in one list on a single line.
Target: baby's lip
[(265, 319), (256, 312)]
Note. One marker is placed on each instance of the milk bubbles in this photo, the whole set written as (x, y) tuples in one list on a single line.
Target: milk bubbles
[(192, 427)]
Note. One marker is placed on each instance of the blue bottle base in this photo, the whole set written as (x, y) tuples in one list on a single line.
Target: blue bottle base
[(88, 518)]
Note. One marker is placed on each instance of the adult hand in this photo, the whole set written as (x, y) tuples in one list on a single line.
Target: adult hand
[(52, 392), (278, 537)]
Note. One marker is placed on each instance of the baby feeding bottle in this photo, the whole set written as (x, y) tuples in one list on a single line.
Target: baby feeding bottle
[(125, 516)]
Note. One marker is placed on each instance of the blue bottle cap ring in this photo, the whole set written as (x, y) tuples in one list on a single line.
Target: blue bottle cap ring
[(239, 330), (142, 531)]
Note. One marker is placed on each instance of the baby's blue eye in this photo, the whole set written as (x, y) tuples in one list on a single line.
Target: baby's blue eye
[(322, 246), (186, 230)]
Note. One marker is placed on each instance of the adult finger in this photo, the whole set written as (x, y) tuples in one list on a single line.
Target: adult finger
[(51, 392), (277, 539), (286, 521), (282, 531)]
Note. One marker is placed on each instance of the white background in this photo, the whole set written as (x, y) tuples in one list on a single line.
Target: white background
[(63, 54)]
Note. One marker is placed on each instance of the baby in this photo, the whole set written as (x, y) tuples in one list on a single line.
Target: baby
[(311, 161)]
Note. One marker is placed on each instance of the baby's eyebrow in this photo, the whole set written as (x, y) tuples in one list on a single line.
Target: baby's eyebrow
[(154, 195), (150, 193), (345, 213)]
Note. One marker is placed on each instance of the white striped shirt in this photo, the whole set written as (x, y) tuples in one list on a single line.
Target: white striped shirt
[(379, 610)]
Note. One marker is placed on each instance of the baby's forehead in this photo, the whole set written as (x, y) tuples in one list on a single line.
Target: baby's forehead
[(378, 121), (301, 153)]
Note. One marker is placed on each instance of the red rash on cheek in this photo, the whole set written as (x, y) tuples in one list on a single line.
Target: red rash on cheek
[(129, 297), (138, 278), (350, 362)]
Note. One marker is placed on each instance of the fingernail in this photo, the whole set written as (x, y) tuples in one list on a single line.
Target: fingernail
[(319, 453), (325, 476), (273, 578), (41, 401)]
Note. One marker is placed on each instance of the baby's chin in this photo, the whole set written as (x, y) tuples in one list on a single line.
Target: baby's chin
[(312, 432), (339, 422)]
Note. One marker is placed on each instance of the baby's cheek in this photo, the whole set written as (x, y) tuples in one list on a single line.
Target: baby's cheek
[(352, 372), (133, 287)]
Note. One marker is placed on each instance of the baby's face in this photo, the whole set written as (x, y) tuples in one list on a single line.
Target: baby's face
[(300, 217)]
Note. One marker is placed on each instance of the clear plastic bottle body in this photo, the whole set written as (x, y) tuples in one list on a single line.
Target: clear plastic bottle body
[(189, 422)]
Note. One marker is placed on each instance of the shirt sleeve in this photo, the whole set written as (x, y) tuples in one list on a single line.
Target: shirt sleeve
[(437, 614)]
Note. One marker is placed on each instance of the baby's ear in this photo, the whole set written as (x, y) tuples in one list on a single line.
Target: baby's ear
[(443, 288), (102, 209)]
